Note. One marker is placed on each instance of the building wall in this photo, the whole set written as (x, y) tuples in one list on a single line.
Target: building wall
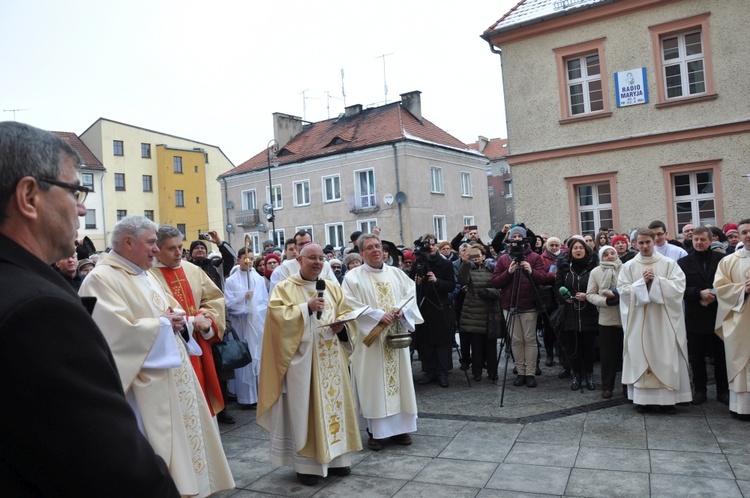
[(192, 183), (95, 201)]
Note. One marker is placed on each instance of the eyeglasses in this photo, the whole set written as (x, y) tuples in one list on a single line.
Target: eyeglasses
[(79, 191)]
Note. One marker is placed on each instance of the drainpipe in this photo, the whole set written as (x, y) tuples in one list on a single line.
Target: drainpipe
[(226, 215), (398, 189), (104, 212)]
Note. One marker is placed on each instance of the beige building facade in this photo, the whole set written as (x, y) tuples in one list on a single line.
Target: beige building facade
[(620, 113)]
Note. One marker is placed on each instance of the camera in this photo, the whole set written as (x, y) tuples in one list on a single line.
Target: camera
[(204, 236), (421, 246), (516, 250)]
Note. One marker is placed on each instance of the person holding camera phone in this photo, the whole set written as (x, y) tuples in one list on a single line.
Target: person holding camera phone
[(469, 234)]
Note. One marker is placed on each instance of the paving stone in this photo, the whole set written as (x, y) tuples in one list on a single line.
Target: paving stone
[(731, 435), (622, 459), (457, 472), (283, 481), (740, 465), (500, 493), (566, 430), (664, 486), (395, 466), (233, 446), (690, 463), (472, 442), (744, 487), (361, 487), (610, 483), (620, 429), (429, 446), (555, 455), (437, 427), (671, 433), (246, 471), (529, 478), (416, 489)]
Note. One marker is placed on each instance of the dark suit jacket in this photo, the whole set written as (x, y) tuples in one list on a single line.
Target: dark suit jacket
[(699, 319), (65, 426)]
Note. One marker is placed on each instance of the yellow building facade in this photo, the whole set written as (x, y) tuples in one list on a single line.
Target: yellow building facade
[(182, 190)]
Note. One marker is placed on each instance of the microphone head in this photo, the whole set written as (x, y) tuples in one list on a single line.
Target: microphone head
[(320, 285)]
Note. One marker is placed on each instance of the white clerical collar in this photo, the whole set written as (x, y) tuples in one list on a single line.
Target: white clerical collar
[(126, 261), (647, 257), (158, 264), (375, 270)]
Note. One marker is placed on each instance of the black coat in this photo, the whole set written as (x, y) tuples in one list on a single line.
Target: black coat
[(699, 319), (435, 306), (580, 316), (66, 428)]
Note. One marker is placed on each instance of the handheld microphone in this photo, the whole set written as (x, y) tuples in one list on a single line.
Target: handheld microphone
[(565, 293), (320, 286)]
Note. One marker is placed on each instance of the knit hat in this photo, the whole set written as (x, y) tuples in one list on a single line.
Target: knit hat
[(554, 239), (409, 255), (351, 257), (517, 229), (731, 230), (197, 243), (83, 263), (730, 226), (334, 261), (620, 238)]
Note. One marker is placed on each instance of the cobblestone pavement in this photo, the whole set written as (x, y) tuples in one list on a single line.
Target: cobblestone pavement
[(544, 441)]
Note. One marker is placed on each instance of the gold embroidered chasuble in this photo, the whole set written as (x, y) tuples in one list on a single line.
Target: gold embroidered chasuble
[(310, 365)]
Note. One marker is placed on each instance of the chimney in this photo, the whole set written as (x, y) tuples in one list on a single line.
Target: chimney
[(285, 127), (412, 102), (482, 143), (352, 110)]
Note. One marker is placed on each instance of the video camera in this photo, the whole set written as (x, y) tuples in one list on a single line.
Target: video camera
[(421, 251), (516, 249)]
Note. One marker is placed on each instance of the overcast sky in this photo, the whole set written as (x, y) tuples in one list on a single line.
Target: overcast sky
[(215, 71)]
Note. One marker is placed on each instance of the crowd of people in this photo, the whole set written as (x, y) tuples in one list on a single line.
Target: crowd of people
[(127, 336)]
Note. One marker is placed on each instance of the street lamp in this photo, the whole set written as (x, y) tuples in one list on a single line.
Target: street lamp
[(273, 161)]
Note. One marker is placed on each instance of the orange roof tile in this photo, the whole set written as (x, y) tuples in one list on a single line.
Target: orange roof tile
[(496, 148), (88, 159)]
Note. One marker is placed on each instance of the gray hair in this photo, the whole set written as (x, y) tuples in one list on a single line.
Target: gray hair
[(166, 232), (362, 238), (29, 151), (130, 226)]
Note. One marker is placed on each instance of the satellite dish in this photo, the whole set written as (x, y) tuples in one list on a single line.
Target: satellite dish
[(261, 227), (230, 205), (502, 170), (267, 208), (230, 228), (388, 199), (492, 233), (400, 197)]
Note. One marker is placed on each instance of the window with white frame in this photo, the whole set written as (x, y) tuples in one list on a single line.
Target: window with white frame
[(275, 199), (90, 219), (468, 221), (302, 193), (694, 198), (331, 188), (367, 226), (179, 198), (436, 180), (249, 199), (465, 184), (594, 207), (87, 180), (584, 82), (306, 228), (254, 242), (364, 185), (683, 64), (335, 235), (279, 237), (438, 225), (509, 189)]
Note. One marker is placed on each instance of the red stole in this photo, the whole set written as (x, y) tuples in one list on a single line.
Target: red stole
[(203, 365)]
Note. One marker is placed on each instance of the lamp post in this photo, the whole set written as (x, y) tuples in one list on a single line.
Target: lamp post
[(271, 150)]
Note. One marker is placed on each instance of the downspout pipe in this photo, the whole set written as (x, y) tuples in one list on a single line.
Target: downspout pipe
[(226, 214), (398, 189)]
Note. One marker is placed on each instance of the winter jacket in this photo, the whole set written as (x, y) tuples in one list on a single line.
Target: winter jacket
[(481, 297), (579, 315), (503, 279)]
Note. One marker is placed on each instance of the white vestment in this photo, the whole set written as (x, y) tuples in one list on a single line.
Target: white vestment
[(733, 326), (248, 318), (655, 348), (290, 267), (671, 251), (382, 375)]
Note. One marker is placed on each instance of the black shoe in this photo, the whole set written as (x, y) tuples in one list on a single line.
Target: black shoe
[(340, 471), (576, 384), (427, 379), (723, 398), (590, 382), (530, 381), (538, 371), (225, 418), (564, 373), (699, 398), (641, 408), (520, 380), (231, 397), (243, 406), (515, 370), (443, 381), (308, 479), (669, 409), (550, 361), (465, 365)]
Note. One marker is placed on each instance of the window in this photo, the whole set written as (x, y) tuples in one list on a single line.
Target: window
[(121, 213), (331, 188), (90, 218), (147, 185), (183, 230), (275, 200), (594, 207), (364, 185), (117, 148), (87, 180), (179, 198), (254, 242), (279, 237), (120, 181), (509, 189), (146, 151), (436, 180), (465, 184), (582, 81), (335, 235), (367, 226), (438, 226), (197, 200), (682, 55), (249, 200), (177, 162), (196, 169), (694, 194), (468, 221), (149, 213), (205, 159), (302, 193)]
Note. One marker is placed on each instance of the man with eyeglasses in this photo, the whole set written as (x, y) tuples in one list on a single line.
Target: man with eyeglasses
[(305, 400), (291, 265), (661, 244), (82, 420)]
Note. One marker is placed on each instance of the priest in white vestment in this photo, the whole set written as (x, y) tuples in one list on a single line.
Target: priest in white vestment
[(655, 367), (291, 266), (732, 284), (144, 329), (247, 299), (305, 400), (382, 374)]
